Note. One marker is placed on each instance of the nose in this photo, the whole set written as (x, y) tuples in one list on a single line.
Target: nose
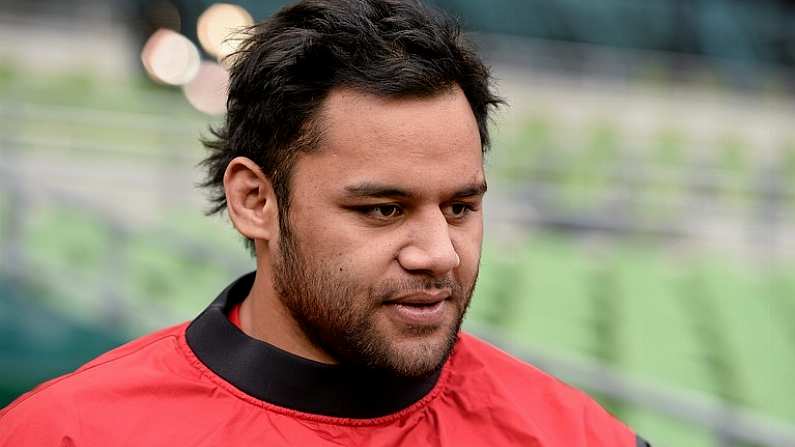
[(430, 249)]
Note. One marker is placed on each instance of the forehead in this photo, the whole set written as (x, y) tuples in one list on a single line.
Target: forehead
[(430, 143)]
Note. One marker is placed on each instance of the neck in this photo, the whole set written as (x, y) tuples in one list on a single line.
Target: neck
[(282, 378), (263, 316)]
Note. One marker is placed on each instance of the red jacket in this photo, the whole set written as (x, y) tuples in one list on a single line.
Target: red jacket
[(208, 384)]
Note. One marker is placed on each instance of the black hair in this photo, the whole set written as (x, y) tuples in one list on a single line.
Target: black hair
[(287, 65)]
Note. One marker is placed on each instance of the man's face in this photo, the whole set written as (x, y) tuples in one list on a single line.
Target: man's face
[(379, 256)]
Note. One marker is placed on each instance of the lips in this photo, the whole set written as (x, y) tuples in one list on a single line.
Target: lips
[(419, 309), (420, 298)]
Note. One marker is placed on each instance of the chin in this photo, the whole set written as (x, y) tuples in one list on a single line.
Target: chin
[(421, 355)]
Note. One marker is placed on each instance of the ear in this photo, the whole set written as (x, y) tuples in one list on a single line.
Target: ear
[(250, 200)]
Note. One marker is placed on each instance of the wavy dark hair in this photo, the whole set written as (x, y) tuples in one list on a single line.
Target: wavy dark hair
[(287, 65)]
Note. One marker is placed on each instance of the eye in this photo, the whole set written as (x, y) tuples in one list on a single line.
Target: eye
[(459, 210), (382, 212)]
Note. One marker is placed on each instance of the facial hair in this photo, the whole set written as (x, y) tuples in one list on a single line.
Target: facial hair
[(338, 314)]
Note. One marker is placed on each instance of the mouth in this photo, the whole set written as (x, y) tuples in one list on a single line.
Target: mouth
[(421, 299), (420, 309)]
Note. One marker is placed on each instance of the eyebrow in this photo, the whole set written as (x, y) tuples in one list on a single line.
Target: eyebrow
[(368, 189), (475, 190)]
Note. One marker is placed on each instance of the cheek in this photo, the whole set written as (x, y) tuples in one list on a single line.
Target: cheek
[(468, 246), (337, 247), (470, 258)]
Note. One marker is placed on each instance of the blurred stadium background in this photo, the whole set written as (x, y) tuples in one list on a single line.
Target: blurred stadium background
[(641, 213)]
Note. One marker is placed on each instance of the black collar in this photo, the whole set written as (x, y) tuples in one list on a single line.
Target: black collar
[(287, 380)]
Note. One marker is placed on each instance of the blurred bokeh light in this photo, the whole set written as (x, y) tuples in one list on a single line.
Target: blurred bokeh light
[(170, 57), (207, 91), (219, 28)]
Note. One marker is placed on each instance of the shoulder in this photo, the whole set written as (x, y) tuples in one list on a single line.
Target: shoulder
[(475, 354), (482, 361), (55, 405), (514, 387)]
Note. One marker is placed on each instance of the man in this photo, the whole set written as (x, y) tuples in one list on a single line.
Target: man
[(351, 160)]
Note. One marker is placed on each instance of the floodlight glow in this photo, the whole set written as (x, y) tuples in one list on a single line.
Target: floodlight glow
[(219, 28), (170, 58), (207, 91)]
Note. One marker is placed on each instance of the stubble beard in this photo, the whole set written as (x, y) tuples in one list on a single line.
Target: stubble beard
[(339, 317)]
